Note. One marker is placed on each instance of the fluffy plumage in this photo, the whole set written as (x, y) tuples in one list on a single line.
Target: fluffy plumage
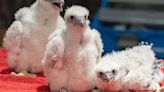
[(27, 37), (133, 69), (72, 53)]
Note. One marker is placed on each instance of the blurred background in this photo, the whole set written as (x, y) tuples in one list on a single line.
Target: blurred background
[(122, 23)]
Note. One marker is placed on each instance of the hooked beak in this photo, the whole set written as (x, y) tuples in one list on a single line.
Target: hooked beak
[(104, 76), (79, 21), (58, 3)]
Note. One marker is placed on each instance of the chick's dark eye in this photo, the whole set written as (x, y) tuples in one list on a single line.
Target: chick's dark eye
[(114, 71), (72, 17)]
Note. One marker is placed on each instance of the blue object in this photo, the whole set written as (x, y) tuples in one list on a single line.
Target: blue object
[(111, 36)]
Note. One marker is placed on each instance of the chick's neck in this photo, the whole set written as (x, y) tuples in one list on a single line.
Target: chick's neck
[(75, 35)]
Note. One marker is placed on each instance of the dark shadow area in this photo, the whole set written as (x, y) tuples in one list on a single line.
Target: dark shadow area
[(6, 70), (43, 88)]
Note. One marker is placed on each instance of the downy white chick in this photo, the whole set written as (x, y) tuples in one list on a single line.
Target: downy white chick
[(132, 69), (72, 53), (27, 37)]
